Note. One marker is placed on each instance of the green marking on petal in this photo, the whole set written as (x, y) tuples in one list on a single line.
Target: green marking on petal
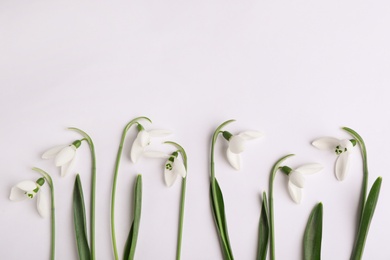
[(168, 166)]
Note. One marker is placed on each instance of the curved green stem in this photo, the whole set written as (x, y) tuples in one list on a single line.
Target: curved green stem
[(88, 139), (365, 169), (275, 168), (113, 191), (53, 218), (213, 187), (182, 199)]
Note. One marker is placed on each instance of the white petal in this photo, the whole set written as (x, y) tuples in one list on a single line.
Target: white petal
[(342, 165), (179, 169), (326, 143), (68, 167), (27, 185), (346, 144), (136, 151), (65, 155), (159, 132), (156, 154), (309, 168), (143, 138), (295, 193), (234, 159), (43, 203), (170, 177), (236, 144), (53, 152), (297, 179), (17, 194), (250, 135)]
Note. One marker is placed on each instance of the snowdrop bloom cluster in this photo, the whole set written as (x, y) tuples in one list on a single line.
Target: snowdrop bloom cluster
[(143, 140), (342, 148), (236, 145), (296, 179), (28, 190), (64, 156)]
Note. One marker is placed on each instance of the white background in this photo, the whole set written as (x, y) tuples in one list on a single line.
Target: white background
[(296, 70)]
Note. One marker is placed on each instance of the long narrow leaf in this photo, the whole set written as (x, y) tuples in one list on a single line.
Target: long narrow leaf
[(313, 235), (80, 225), (131, 242), (263, 230), (219, 206), (368, 213)]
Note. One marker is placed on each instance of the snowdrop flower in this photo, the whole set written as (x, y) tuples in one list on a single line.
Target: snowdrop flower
[(342, 148), (173, 166), (64, 156), (237, 145), (28, 190), (296, 179), (143, 140)]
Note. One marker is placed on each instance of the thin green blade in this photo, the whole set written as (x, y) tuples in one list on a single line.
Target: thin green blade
[(368, 213), (131, 242), (313, 235), (80, 225), (263, 237), (219, 206)]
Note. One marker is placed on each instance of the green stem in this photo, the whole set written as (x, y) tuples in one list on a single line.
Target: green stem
[(275, 168), (53, 218), (182, 200), (213, 185), (93, 188), (363, 193), (113, 191)]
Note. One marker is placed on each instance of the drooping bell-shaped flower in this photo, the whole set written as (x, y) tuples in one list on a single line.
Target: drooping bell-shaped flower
[(296, 179), (173, 167), (342, 148), (143, 139), (64, 156), (28, 190), (237, 145)]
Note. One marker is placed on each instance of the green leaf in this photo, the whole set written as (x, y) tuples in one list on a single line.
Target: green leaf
[(131, 242), (218, 207), (80, 225), (368, 212), (313, 235), (263, 230)]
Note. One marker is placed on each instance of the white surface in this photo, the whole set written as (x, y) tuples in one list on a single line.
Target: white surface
[(296, 70)]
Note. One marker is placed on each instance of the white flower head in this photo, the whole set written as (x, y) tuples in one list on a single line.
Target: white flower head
[(296, 179), (237, 145), (28, 190), (143, 140), (64, 156), (173, 167), (342, 148)]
